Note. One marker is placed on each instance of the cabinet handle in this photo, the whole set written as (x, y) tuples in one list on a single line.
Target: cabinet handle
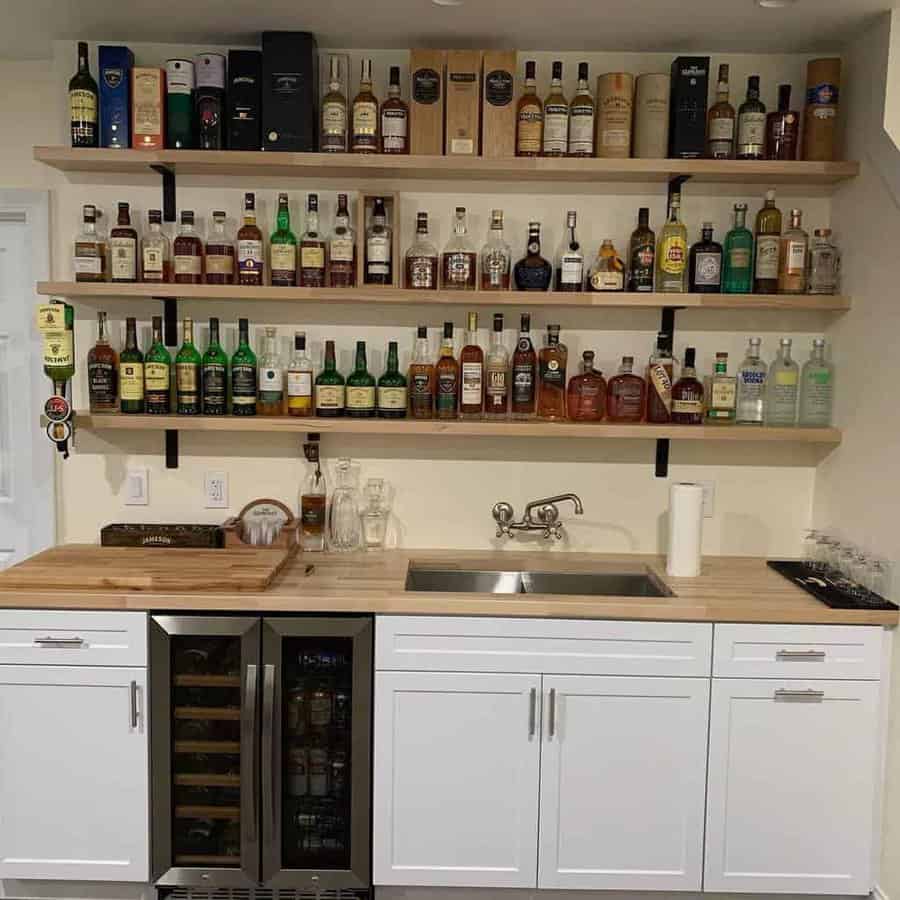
[(248, 757), (133, 693), (800, 656), (59, 641), (268, 743), (807, 696), (552, 712), (532, 713)]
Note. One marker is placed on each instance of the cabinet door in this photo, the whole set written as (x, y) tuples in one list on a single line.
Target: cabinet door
[(623, 771), (456, 779), (792, 781), (73, 773)]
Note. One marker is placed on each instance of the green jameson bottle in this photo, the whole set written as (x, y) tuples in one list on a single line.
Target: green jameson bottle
[(57, 321), (283, 247), (329, 387), (392, 388), (214, 374), (158, 374), (361, 387), (131, 372), (737, 277), (243, 374), (187, 374)]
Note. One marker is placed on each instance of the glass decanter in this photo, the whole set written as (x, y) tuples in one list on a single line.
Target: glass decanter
[(344, 531), (375, 515)]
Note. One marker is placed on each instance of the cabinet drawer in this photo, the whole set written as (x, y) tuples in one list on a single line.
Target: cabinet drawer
[(552, 646), (60, 638), (797, 651)]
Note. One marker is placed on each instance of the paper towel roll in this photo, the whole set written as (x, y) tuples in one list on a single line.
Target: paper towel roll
[(685, 530)]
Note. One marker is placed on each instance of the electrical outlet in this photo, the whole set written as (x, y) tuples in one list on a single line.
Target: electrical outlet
[(709, 498), (215, 485), (137, 487)]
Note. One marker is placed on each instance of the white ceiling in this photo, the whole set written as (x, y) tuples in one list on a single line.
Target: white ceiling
[(808, 26)]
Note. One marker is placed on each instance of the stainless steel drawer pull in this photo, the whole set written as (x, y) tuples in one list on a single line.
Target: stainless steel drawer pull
[(59, 641), (552, 712), (807, 696), (133, 693), (532, 713), (800, 656)]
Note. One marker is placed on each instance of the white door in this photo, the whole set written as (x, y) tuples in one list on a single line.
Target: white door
[(73, 773), (456, 779), (26, 455), (623, 778), (793, 767)]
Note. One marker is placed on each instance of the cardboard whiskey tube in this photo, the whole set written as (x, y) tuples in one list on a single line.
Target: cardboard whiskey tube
[(823, 81), (651, 116), (615, 96)]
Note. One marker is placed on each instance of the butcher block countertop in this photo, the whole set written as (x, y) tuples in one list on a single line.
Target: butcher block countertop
[(730, 589)]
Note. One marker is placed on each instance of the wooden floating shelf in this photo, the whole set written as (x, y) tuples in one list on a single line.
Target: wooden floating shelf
[(533, 428), (400, 296), (250, 163)]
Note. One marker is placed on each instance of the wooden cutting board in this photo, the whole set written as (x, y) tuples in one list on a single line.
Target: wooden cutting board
[(164, 570)]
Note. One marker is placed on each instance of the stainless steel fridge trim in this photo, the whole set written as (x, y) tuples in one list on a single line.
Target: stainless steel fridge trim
[(270, 759), (250, 761)]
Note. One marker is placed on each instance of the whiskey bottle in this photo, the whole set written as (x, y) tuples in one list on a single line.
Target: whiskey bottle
[(271, 377), (103, 372), (392, 393), (300, 379), (187, 252), (608, 271), (360, 399), (783, 128), (720, 122), (751, 139), (529, 117), (394, 118), (705, 263), (131, 372), (642, 255), (768, 247), (737, 255), (570, 259), (533, 272), (782, 387), (219, 252), (330, 388), (496, 374), (378, 263), (524, 373), (816, 388), (89, 261), (586, 394), (459, 261), (626, 394), (581, 116), (312, 247), (365, 113), (123, 248), (243, 374), (422, 258), (250, 247), (496, 257), (333, 134), (722, 398), (672, 253), (471, 365), (157, 374), (659, 381), (342, 248), (187, 374), (83, 103), (421, 378), (556, 116), (283, 247), (56, 322), (750, 404), (446, 399), (687, 393), (552, 377), (313, 503), (214, 375), (792, 257)]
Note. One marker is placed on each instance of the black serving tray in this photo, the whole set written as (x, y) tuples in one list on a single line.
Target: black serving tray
[(824, 589)]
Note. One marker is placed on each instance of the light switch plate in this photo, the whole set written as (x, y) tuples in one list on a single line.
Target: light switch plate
[(709, 498), (137, 486), (215, 488)]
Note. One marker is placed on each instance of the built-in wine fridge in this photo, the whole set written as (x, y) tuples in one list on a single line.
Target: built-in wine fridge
[(260, 752)]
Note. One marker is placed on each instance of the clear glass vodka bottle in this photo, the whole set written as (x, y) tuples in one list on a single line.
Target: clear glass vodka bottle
[(782, 387), (816, 388), (751, 387)]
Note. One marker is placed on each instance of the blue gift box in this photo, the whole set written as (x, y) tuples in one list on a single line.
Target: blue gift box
[(115, 96)]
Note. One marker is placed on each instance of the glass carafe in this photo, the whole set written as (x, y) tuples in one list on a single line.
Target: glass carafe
[(344, 526), (375, 515)]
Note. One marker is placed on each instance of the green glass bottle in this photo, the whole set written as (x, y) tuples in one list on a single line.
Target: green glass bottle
[(158, 374), (57, 322), (131, 372), (214, 375), (737, 277), (329, 387), (392, 393), (361, 387), (243, 374), (283, 247), (187, 374)]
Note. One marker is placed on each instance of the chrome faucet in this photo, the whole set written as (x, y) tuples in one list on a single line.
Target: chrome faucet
[(540, 515)]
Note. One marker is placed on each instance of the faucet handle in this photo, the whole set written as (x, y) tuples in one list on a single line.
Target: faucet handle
[(503, 515)]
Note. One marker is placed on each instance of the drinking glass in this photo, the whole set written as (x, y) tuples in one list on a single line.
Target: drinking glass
[(810, 546), (344, 531), (880, 572), (375, 515)]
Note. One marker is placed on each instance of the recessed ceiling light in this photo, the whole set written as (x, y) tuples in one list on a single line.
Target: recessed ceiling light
[(775, 4), (447, 2)]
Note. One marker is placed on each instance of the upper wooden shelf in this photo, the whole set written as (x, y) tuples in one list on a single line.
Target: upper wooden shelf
[(399, 296), (249, 163)]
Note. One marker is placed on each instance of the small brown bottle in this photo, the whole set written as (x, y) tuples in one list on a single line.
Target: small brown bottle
[(421, 379), (687, 393), (471, 365), (250, 247), (394, 118), (524, 373), (552, 377), (783, 128), (123, 244), (446, 400), (187, 252), (529, 117), (586, 395), (364, 114)]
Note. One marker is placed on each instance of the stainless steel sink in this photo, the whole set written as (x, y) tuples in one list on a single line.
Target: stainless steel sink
[(642, 583)]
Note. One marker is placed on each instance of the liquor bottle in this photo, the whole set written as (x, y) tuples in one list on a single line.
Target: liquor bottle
[(379, 265), (496, 374), (459, 261), (446, 372), (750, 406), (783, 128), (672, 252), (660, 375), (312, 247), (392, 393), (529, 117), (330, 388), (250, 247), (364, 116), (471, 367), (131, 372), (270, 377), (556, 116), (283, 247), (84, 103), (210, 113), (533, 272), (300, 379), (57, 327), (187, 252), (524, 373), (360, 394), (768, 247), (626, 394), (824, 263), (157, 374), (642, 255), (214, 375), (89, 260), (333, 126), (422, 258), (720, 122), (496, 257), (705, 263), (187, 374), (312, 504), (123, 243), (243, 374), (219, 252), (586, 394), (421, 378), (737, 253), (792, 257), (816, 388), (103, 372), (581, 116), (751, 137), (608, 271), (782, 387), (394, 118), (570, 259), (721, 405), (687, 393), (552, 377), (342, 248)]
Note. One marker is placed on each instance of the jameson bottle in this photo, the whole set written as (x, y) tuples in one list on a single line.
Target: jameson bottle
[(83, 105), (392, 392), (187, 374), (214, 375), (642, 255), (243, 374), (330, 389), (158, 374), (360, 394)]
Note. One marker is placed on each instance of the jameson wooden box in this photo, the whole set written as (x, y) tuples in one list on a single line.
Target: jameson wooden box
[(498, 107), (687, 107), (290, 91), (115, 96), (244, 100), (462, 116), (148, 92), (426, 101)]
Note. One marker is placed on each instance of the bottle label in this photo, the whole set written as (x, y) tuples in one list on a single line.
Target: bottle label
[(553, 374), (334, 125), (365, 124), (360, 397), (723, 394), (767, 247), (271, 380), (532, 278), (674, 255), (156, 376), (329, 396), (447, 390), (250, 257), (87, 265), (458, 268), (152, 258), (394, 124), (824, 94), (739, 257), (496, 388), (420, 272), (661, 383), (472, 383), (219, 265), (643, 259), (752, 132), (607, 280), (341, 249), (498, 87), (426, 86), (786, 378), (59, 349), (528, 132), (243, 385), (312, 257), (213, 376), (283, 258), (689, 407), (581, 129), (556, 128), (795, 257), (571, 270), (102, 383), (496, 266), (186, 377), (721, 129), (421, 395), (708, 269), (83, 105), (523, 385), (131, 381), (123, 258), (392, 398), (299, 389), (188, 265), (179, 77)]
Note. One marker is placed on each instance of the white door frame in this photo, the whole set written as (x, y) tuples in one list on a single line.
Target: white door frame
[(38, 491)]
